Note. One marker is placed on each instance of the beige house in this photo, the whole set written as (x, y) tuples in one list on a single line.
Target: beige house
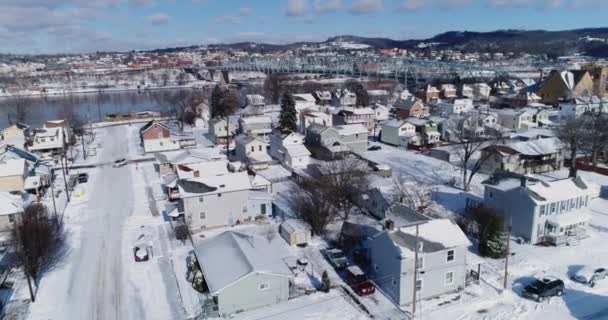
[(16, 132), (564, 84), (13, 173)]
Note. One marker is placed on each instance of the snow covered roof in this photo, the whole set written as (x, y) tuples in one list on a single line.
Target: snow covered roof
[(417, 121), (304, 97), (12, 167), (323, 95), (10, 204), (569, 218), (350, 129), (294, 225), (394, 123), (244, 139), (32, 183), (378, 92), (255, 99), (435, 235), (256, 120), (259, 181), (232, 255), (213, 184), (537, 147), (297, 150), (558, 189), (202, 168), (189, 156), (357, 111)]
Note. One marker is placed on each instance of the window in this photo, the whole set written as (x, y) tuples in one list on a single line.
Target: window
[(202, 215), (219, 195), (450, 255), (418, 284), (394, 282), (420, 263), (263, 208), (11, 218), (356, 136), (562, 207), (553, 207), (245, 209), (160, 143), (252, 149), (263, 286), (449, 277), (543, 210), (201, 199), (490, 194), (260, 148)]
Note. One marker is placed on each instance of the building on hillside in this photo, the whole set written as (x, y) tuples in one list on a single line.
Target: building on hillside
[(532, 156), (344, 98), (221, 200), (323, 98), (243, 271), (575, 107), (481, 91), (565, 84), (156, 137), (288, 147), (16, 134), (428, 94), (252, 151), (48, 141), (442, 253), (555, 211), (309, 117), (599, 75), (260, 126), (411, 107), (448, 91)]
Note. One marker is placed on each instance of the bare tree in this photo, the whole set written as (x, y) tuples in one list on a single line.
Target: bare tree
[(594, 127), (165, 76), (411, 192), (343, 181), (469, 139), (571, 134), (274, 87), (311, 87), (359, 90), (19, 106), (312, 204), (38, 240)]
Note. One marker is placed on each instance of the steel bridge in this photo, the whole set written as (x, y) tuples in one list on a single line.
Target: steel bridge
[(412, 72)]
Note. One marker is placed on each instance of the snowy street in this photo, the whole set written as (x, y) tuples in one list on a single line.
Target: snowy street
[(93, 278)]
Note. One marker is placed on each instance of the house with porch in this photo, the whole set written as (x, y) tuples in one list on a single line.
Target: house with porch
[(220, 131), (441, 252), (398, 133), (155, 136), (48, 140), (531, 156), (554, 211), (251, 150)]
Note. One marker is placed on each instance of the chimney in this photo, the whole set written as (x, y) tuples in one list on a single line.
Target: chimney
[(389, 225), (197, 174), (524, 181)]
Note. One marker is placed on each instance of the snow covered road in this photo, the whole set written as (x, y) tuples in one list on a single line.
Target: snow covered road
[(90, 284)]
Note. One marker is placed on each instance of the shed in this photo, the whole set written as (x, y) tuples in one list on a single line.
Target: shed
[(295, 232)]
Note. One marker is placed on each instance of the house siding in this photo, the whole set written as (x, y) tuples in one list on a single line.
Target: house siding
[(12, 183), (245, 294), (222, 210)]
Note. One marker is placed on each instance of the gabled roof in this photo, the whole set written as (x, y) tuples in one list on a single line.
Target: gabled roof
[(535, 147), (150, 124), (12, 167), (213, 184), (558, 189), (304, 97), (433, 235), (350, 129), (232, 255)]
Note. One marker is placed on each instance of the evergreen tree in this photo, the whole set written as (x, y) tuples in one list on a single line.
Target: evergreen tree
[(357, 88), (288, 116), (216, 97), (492, 238), (325, 283)]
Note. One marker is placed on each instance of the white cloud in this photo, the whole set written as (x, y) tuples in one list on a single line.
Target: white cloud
[(297, 8), (327, 6), (158, 19), (227, 19), (366, 6)]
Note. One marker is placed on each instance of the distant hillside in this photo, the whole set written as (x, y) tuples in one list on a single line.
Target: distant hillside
[(592, 42)]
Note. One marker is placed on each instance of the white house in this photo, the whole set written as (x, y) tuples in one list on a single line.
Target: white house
[(467, 91), (441, 265), (458, 106), (295, 232), (556, 211), (579, 105), (48, 140), (288, 147), (354, 136), (381, 112), (397, 132), (252, 151), (244, 271), (11, 209), (344, 98), (308, 117), (304, 101), (514, 119), (219, 130), (157, 137), (221, 200), (481, 90), (256, 125), (15, 134)]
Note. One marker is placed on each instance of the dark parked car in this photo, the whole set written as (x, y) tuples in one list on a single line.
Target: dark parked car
[(543, 288), (374, 148), (358, 280)]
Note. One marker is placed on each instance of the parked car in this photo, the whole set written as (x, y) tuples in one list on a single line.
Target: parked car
[(358, 280), (590, 276), (336, 258), (374, 148), (543, 288), (83, 178), (141, 253), (119, 163)]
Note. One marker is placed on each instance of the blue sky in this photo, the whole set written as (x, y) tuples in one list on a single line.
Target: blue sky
[(54, 26)]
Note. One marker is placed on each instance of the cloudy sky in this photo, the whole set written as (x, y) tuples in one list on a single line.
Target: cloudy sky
[(55, 26)]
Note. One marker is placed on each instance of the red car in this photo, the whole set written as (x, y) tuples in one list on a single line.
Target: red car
[(358, 280)]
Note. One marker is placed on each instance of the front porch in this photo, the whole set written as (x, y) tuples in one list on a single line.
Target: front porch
[(566, 229)]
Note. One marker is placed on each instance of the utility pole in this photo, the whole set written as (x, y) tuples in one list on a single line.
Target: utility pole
[(508, 254), (65, 181), (415, 274), (84, 154)]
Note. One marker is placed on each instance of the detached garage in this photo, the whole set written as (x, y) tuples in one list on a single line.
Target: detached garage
[(295, 232)]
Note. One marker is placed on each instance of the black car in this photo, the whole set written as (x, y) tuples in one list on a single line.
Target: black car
[(543, 288), (83, 178), (374, 148)]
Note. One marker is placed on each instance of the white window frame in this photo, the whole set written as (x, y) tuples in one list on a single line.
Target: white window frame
[(421, 264), (445, 278), (263, 286), (421, 285)]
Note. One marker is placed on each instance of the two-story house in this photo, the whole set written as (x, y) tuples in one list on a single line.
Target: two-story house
[(11, 209), (323, 97), (514, 119), (220, 131), (410, 107), (13, 173), (329, 143), (354, 136), (288, 147), (428, 131), (532, 156), (466, 91), (351, 115), (308, 117), (448, 91), (344, 98), (49, 140), (16, 134), (398, 133), (260, 126), (481, 91), (251, 150), (458, 106), (441, 266), (156, 137), (540, 211), (221, 200), (428, 93), (576, 107)]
